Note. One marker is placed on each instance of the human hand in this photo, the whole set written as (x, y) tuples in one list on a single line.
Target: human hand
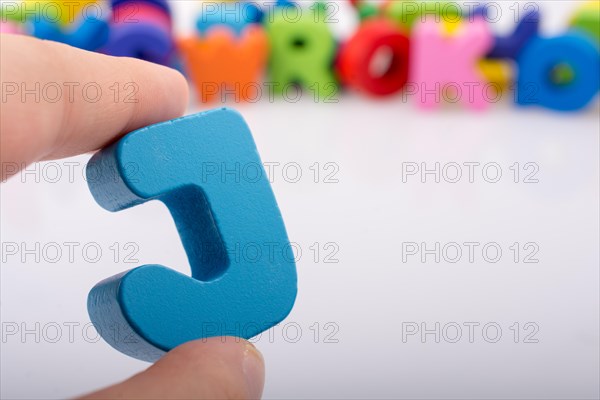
[(100, 99)]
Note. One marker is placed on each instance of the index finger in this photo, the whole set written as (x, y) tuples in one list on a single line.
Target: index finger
[(58, 101)]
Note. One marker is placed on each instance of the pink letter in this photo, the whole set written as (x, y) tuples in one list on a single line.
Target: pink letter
[(442, 61)]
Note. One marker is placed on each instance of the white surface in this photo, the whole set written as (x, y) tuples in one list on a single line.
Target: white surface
[(370, 292)]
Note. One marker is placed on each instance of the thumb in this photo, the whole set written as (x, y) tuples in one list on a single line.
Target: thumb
[(215, 368)]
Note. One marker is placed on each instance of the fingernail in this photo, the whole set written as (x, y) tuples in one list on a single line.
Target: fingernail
[(254, 371)]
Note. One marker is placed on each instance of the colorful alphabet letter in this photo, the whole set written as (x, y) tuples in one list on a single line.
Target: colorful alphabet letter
[(186, 163), (441, 63), (221, 62), (358, 54), (141, 29), (510, 46), (559, 73), (90, 34), (302, 50)]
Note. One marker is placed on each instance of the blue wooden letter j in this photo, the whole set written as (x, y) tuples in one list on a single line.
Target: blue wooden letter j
[(179, 162)]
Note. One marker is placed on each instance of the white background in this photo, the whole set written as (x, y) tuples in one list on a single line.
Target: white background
[(370, 294)]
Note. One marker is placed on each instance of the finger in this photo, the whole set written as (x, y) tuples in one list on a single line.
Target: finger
[(216, 368), (58, 101)]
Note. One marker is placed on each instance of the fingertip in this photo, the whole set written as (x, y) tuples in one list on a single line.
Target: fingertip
[(236, 365), (177, 86), (254, 371), (161, 93), (214, 368)]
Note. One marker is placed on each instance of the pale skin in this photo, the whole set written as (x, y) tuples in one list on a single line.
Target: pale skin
[(32, 130)]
